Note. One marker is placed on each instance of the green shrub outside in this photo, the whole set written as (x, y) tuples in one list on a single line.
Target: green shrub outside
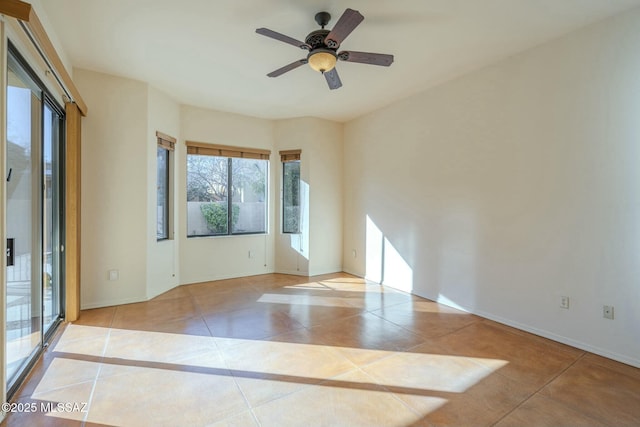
[(216, 216)]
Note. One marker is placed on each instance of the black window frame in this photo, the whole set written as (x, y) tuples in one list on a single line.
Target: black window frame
[(229, 200), (284, 197), (167, 181)]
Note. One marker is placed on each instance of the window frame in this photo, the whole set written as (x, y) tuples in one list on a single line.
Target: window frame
[(231, 153), (166, 143), (284, 229)]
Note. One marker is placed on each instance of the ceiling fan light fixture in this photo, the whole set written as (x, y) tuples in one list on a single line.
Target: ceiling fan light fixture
[(322, 60), (322, 46)]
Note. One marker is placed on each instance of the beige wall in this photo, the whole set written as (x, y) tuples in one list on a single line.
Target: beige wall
[(503, 190), (318, 249), (119, 191), (211, 258), (114, 186), (162, 256), (53, 37)]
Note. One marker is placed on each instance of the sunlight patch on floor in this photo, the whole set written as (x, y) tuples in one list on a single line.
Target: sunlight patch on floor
[(110, 368), (307, 300)]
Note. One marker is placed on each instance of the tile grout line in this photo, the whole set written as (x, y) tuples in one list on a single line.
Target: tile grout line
[(305, 386), (201, 315), (311, 326), (427, 339), (321, 383), (595, 418), (393, 395), (431, 339), (359, 366), (536, 392), (226, 364), (95, 382), (255, 418)]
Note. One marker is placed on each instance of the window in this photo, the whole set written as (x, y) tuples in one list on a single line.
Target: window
[(226, 190), (165, 147), (290, 191)]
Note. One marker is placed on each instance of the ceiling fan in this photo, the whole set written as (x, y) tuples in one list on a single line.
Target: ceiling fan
[(323, 47)]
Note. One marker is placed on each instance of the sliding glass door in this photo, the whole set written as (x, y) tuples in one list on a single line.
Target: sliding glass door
[(33, 218), (52, 130)]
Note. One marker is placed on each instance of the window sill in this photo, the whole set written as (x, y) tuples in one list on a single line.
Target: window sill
[(218, 236)]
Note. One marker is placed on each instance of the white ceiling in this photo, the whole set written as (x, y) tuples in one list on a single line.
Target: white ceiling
[(206, 53)]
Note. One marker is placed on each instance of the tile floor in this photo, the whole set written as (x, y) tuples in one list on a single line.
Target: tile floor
[(279, 350)]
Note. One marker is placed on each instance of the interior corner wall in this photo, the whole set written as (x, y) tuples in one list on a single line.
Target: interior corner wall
[(114, 188), (505, 189), (321, 142), (162, 256), (212, 258)]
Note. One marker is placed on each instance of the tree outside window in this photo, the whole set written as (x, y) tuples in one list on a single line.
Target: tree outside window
[(226, 195)]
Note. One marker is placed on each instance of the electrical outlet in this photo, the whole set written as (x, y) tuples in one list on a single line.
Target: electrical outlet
[(114, 275), (354, 253), (564, 302), (607, 312)]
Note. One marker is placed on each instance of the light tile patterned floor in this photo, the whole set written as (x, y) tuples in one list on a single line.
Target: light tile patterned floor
[(278, 350)]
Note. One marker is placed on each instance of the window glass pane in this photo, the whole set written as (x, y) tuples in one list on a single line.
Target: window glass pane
[(291, 197), (23, 274), (51, 207), (226, 195), (249, 207), (163, 194), (207, 195)]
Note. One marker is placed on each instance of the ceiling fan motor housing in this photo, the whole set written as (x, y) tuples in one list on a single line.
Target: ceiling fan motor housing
[(316, 38)]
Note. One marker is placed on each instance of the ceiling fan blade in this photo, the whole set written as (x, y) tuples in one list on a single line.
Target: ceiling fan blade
[(286, 68), (349, 20), (333, 79), (281, 37), (366, 58)]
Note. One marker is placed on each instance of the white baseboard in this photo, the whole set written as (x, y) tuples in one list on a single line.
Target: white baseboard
[(227, 276), (292, 272), (109, 303), (353, 273), (561, 339), (632, 361)]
